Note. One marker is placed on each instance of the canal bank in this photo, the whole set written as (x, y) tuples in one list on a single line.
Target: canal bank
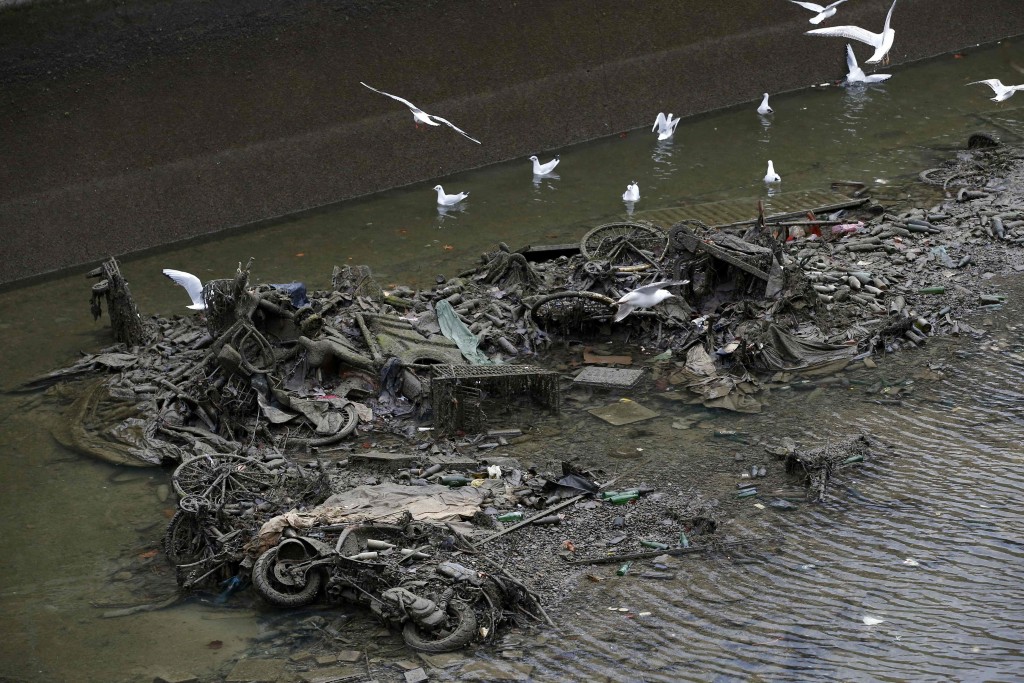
[(131, 126)]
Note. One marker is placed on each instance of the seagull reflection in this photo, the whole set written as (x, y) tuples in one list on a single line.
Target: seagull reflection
[(662, 157), (766, 125), (629, 208), (538, 180), (445, 211)]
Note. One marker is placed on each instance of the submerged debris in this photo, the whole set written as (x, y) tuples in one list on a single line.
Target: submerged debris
[(341, 444)]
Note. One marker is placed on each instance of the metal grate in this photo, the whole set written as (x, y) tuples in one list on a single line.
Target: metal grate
[(735, 210), (458, 392)]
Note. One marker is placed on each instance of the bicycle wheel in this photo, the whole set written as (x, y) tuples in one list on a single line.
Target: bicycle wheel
[(183, 540), (571, 309), (222, 478), (600, 242)]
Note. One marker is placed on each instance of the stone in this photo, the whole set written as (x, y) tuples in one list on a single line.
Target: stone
[(176, 678), (348, 655), (256, 671), (416, 676), (486, 671), (332, 674)]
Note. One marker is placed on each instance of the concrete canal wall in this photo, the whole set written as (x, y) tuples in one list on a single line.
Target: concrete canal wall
[(127, 125)]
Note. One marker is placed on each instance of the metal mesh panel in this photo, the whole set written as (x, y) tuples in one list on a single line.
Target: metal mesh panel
[(458, 391)]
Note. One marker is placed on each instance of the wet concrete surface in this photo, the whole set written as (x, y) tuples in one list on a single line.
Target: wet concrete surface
[(130, 126)]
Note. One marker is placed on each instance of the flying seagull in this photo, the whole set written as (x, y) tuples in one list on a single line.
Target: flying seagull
[(191, 284), (823, 12), (856, 74), (882, 42), (764, 108), (1002, 92), (449, 199), (422, 116), (645, 297), (543, 169), (632, 193), (771, 176), (665, 125)]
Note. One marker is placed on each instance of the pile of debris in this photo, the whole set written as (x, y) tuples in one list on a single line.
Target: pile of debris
[(292, 416)]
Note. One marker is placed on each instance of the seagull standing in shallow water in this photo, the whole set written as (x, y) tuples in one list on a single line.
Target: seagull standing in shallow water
[(422, 116), (632, 193), (448, 199), (823, 13), (857, 74), (882, 42), (544, 169), (1002, 92), (191, 284), (665, 125), (764, 108), (645, 297), (771, 176)]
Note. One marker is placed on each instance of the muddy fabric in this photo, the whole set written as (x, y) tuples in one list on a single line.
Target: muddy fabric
[(784, 351), (431, 503)]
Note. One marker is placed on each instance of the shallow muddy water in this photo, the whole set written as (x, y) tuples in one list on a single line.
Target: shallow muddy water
[(929, 540)]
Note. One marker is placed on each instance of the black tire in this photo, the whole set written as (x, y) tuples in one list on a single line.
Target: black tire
[(462, 632), (280, 594), (182, 540)]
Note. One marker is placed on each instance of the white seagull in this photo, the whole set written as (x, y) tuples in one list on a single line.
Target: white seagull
[(191, 284), (1003, 92), (544, 169), (632, 193), (857, 74), (764, 108), (422, 116), (645, 297), (665, 125), (823, 12), (448, 199), (771, 176), (882, 42)]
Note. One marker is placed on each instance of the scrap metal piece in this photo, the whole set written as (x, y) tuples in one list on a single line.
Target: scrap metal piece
[(612, 378)]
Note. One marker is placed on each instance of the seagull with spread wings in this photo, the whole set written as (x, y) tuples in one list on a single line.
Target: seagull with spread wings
[(1002, 92), (421, 116), (882, 42), (823, 11)]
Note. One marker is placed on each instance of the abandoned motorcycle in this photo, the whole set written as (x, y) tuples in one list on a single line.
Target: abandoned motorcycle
[(366, 565)]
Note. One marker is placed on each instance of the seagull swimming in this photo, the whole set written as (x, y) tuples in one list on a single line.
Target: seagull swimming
[(771, 176), (544, 169), (632, 193), (665, 125), (882, 42), (645, 297), (824, 12), (764, 108), (422, 116), (857, 74), (1003, 92), (191, 284), (448, 199)]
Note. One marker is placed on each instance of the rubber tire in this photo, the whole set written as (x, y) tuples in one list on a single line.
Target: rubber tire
[(267, 587), (176, 527), (461, 636)]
